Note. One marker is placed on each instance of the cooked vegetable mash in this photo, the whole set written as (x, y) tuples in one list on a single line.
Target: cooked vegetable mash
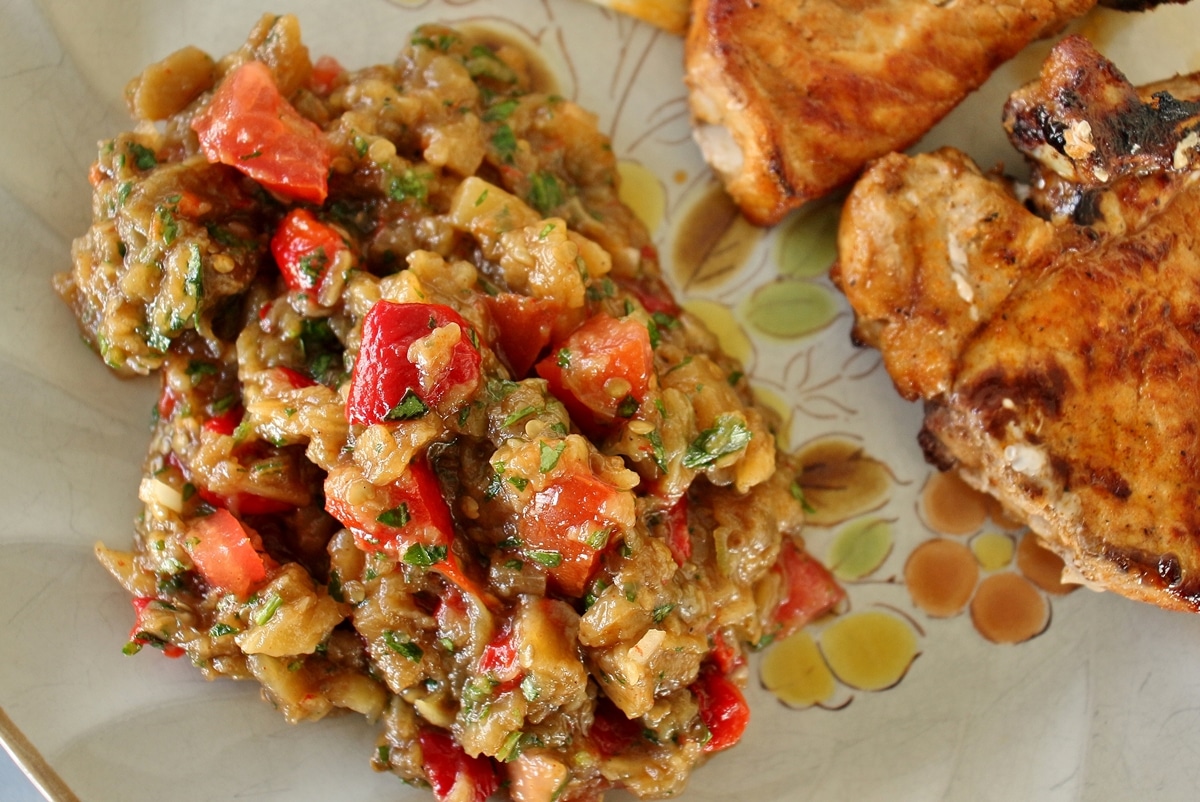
[(434, 442)]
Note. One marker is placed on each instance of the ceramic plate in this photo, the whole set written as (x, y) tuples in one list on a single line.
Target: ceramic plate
[(1098, 699)]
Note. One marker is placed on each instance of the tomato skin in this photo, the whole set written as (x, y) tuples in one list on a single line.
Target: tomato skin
[(224, 555), (559, 519), (723, 709), (383, 373), (612, 731), (305, 249), (138, 633), (604, 349), (498, 661), (525, 325), (249, 126), (295, 378), (325, 72), (428, 516), (450, 770), (811, 589), (679, 540)]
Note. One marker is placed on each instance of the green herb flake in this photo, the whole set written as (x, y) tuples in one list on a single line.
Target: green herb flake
[(599, 538), (662, 611), (529, 688), (221, 629), (544, 192), (500, 111), (269, 609), (396, 517), (482, 197), (410, 407), (547, 557), (143, 157), (549, 455), (424, 556), (336, 591), (514, 564), (545, 232), (656, 448), (523, 412), (728, 435), (628, 406), (519, 482), (734, 378), (224, 403), (407, 186), (563, 358), (798, 494), (401, 644), (505, 143)]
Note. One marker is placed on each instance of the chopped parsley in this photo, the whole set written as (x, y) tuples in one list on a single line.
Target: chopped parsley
[(395, 517), (400, 643), (549, 455), (409, 408), (544, 192), (547, 557), (728, 435), (424, 556)]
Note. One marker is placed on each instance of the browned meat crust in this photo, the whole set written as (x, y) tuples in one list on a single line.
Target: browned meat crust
[(1059, 363), (791, 99)]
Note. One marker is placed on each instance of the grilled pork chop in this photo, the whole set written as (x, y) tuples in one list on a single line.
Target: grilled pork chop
[(790, 100), (1059, 359)]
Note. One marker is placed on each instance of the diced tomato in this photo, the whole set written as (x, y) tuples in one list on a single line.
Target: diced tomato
[(383, 373), (653, 293), (224, 555), (250, 126), (304, 249), (499, 662), (601, 371), (225, 423), (679, 539), (526, 325), (726, 655), (452, 772), (295, 378), (409, 511), (612, 731), (166, 399), (141, 637), (325, 73), (565, 529), (723, 709), (811, 591)]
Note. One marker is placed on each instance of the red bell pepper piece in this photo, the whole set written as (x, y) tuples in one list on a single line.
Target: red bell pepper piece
[(525, 325), (453, 773), (723, 709), (304, 249), (384, 376)]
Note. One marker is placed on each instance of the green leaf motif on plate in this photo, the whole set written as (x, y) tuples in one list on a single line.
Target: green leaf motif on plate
[(807, 246), (790, 309), (860, 548)]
